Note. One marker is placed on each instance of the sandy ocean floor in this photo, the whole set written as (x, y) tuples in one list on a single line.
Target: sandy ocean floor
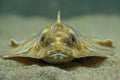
[(97, 26)]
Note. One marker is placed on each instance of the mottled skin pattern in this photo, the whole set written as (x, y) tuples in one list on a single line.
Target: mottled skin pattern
[(59, 43)]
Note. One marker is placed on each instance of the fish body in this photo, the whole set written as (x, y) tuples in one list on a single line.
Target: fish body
[(59, 43)]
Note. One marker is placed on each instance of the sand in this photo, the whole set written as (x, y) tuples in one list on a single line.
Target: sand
[(97, 26)]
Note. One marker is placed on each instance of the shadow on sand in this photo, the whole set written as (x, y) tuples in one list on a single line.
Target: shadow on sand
[(81, 62)]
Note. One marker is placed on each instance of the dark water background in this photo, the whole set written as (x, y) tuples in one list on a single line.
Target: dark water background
[(69, 8)]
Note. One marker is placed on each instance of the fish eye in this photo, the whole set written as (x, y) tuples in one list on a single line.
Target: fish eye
[(73, 39), (42, 38), (45, 40)]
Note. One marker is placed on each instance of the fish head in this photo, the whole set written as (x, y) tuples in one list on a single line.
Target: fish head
[(58, 43)]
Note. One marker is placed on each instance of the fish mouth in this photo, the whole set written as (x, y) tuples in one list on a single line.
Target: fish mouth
[(58, 57)]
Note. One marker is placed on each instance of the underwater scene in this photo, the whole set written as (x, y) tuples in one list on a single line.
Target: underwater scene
[(59, 40)]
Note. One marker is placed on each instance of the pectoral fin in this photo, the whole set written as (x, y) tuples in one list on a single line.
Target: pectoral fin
[(95, 48), (21, 49)]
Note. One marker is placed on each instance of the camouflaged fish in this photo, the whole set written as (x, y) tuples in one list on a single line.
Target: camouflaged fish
[(59, 43)]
